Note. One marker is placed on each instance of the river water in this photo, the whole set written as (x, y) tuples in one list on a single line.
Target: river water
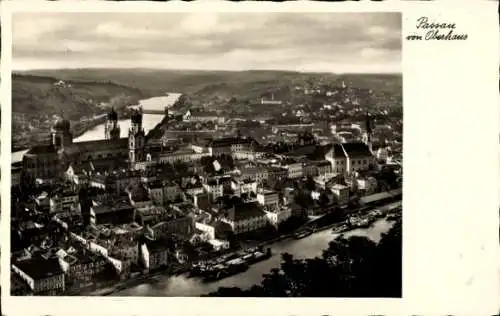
[(149, 121), (308, 247)]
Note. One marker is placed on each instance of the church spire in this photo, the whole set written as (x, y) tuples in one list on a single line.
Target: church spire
[(368, 123), (369, 130)]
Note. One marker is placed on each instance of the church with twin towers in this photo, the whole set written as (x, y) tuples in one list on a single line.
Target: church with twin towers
[(54, 158)]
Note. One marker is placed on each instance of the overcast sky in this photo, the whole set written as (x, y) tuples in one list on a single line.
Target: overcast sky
[(326, 42)]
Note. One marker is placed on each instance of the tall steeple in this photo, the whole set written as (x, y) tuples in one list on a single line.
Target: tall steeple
[(368, 131), (112, 128), (61, 133), (136, 136)]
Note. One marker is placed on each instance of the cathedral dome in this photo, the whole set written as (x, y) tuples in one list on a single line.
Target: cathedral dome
[(112, 115), (137, 117), (62, 125)]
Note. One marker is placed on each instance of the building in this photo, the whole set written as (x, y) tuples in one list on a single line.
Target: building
[(295, 170), (197, 116), (368, 185), (163, 192), (174, 223), (349, 157), (16, 171), (52, 160), (112, 128), (124, 249), (119, 180), (310, 169), (214, 187), (257, 174), (268, 198), (139, 197), (82, 265), (119, 212), (276, 173), (245, 217), (207, 227), (63, 201), (382, 154), (185, 154), (272, 101), (244, 186), (278, 215), (151, 215), (43, 276), (230, 145), (154, 254), (155, 190), (323, 167), (341, 193)]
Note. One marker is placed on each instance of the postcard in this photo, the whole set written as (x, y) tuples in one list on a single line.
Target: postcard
[(247, 158)]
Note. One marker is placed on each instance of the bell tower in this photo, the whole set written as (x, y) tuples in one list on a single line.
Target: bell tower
[(61, 134), (136, 138), (367, 136), (112, 128)]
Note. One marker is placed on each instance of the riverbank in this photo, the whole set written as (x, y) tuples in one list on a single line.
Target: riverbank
[(309, 247), (170, 277)]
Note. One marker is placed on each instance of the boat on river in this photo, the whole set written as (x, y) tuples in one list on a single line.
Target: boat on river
[(302, 233), (257, 256), (228, 269), (340, 229), (229, 265)]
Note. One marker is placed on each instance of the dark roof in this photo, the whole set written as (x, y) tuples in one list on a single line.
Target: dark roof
[(157, 184), (156, 246), (245, 211), (354, 150), (337, 151), (323, 163), (228, 141), (40, 150), (40, 268), (302, 151), (84, 256), (103, 144), (82, 147), (140, 195), (117, 207)]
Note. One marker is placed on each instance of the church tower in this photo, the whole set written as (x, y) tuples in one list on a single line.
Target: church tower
[(61, 134), (112, 129), (136, 138), (367, 136)]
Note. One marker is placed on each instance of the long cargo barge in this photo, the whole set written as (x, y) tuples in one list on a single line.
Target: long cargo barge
[(219, 269), (303, 233)]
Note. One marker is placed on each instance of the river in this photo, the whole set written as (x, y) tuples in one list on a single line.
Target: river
[(149, 122), (308, 247)]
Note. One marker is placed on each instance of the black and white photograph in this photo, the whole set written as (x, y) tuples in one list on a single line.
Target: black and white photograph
[(218, 154)]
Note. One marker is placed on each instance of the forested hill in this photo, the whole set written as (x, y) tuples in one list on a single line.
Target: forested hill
[(234, 83)]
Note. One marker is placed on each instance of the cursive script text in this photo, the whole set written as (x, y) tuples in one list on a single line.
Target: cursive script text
[(423, 23)]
